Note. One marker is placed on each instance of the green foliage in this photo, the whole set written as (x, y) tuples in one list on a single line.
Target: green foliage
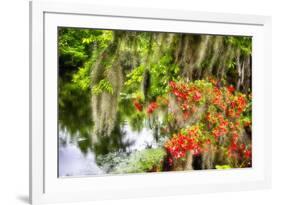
[(223, 167), (72, 51), (148, 160), (103, 86), (78, 50), (109, 161), (82, 78), (241, 42), (162, 73), (134, 79)]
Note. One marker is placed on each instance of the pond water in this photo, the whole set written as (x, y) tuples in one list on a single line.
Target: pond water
[(73, 161)]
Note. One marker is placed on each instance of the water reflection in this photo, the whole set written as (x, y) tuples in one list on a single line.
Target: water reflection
[(72, 160), (78, 156), (142, 139)]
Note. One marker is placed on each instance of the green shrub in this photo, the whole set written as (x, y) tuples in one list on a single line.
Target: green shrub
[(148, 160)]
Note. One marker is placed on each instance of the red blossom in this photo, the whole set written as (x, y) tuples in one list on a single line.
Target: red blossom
[(231, 88), (222, 119), (181, 143), (247, 154), (137, 105), (197, 96), (172, 84), (151, 107)]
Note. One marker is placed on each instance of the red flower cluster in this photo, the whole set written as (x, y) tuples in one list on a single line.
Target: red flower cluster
[(179, 90), (233, 145), (218, 98), (247, 153), (181, 143), (137, 105), (151, 107), (218, 125), (240, 152), (197, 96), (185, 92), (237, 105), (231, 88), (223, 119), (187, 96)]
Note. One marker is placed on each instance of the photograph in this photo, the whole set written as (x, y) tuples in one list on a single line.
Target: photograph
[(150, 101)]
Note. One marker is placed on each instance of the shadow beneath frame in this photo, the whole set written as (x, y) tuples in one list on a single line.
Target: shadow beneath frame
[(23, 198)]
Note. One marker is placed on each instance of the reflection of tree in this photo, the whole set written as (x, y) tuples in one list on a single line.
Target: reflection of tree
[(112, 143), (74, 109)]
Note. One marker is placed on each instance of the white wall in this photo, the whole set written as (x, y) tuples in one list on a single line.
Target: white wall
[(14, 100)]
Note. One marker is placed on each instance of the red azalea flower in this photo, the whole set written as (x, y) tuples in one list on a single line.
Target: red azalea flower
[(223, 121), (231, 88), (172, 84), (216, 132), (180, 144), (151, 107), (197, 96), (137, 105), (247, 154), (233, 146)]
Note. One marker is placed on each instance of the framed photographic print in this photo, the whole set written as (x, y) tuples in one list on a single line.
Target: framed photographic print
[(130, 102)]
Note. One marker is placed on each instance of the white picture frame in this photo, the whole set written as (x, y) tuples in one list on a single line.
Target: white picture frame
[(46, 187)]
